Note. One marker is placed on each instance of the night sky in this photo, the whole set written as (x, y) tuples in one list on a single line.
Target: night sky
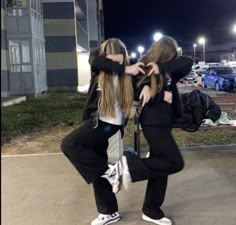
[(135, 21)]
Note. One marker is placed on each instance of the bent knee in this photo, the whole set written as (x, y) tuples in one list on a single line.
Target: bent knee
[(178, 165), (65, 145)]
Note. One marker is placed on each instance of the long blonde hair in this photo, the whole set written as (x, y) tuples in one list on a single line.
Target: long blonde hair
[(124, 90), (164, 49)]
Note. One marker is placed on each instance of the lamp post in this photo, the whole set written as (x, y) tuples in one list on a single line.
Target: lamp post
[(157, 36), (202, 41), (141, 50), (194, 53)]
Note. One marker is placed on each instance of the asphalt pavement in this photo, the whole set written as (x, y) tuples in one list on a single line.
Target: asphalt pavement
[(46, 190)]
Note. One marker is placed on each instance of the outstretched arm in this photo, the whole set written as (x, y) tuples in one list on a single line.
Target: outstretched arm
[(101, 63), (178, 68), (110, 65)]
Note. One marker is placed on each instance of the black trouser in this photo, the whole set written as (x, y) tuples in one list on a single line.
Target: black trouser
[(86, 148), (165, 159)]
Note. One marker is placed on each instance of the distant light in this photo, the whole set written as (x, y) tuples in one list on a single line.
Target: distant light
[(202, 40), (141, 49), (157, 36), (179, 49), (133, 55), (194, 45), (234, 28)]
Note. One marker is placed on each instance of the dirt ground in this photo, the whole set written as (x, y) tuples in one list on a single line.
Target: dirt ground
[(47, 141)]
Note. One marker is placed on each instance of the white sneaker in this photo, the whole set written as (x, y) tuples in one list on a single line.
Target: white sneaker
[(113, 175), (126, 178), (162, 221), (224, 119), (103, 219), (209, 122)]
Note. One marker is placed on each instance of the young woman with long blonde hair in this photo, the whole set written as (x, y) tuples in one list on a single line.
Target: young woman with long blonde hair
[(108, 105), (161, 107)]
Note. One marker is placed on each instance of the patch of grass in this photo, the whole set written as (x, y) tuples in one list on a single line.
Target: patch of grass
[(205, 137), (64, 109), (183, 138), (36, 114)]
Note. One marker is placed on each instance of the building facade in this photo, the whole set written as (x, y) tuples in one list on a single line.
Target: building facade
[(4, 54), (71, 29), (24, 48), (45, 44)]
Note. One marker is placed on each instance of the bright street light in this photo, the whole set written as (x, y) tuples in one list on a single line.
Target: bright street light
[(234, 28), (133, 55), (194, 52), (141, 50), (202, 41), (157, 36)]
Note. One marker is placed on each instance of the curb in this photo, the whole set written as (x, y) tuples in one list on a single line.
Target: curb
[(227, 147), (13, 101)]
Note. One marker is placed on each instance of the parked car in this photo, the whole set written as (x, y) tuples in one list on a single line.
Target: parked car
[(221, 78), (191, 77)]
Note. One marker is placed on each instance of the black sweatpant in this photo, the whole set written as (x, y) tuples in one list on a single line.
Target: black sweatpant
[(86, 148), (165, 159)]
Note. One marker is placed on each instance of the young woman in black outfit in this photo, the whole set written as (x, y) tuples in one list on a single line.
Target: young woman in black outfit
[(156, 119), (109, 101), (161, 107)]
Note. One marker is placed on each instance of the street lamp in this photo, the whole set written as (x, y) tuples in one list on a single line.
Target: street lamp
[(180, 50), (133, 55), (157, 36), (194, 53), (141, 50), (202, 41)]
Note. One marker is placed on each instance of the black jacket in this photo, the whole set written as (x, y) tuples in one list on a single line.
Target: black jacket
[(100, 63), (157, 112)]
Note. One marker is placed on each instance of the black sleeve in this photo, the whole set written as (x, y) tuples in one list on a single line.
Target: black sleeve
[(138, 90), (101, 63), (178, 68)]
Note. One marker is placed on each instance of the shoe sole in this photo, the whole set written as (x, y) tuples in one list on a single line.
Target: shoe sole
[(146, 218)]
